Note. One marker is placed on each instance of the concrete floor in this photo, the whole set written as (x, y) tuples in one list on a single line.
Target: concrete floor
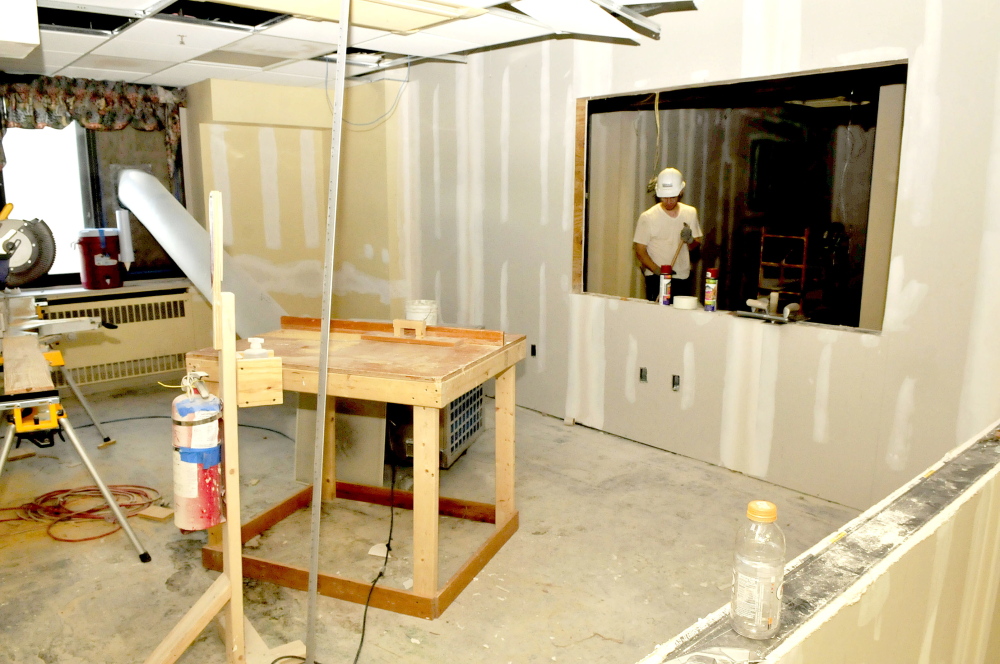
[(621, 546)]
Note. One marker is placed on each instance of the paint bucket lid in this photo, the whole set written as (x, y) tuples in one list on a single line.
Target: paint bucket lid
[(665, 269), (713, 273), (762, 511)]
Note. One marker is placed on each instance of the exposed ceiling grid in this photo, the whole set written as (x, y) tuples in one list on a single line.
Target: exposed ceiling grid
[(162, 41)]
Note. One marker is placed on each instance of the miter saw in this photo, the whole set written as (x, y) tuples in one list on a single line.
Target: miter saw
[(27, 249)]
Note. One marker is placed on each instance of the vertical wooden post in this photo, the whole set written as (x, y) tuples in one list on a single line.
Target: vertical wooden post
[(330, 451), (505, 447), (232, 542), (426, 465)]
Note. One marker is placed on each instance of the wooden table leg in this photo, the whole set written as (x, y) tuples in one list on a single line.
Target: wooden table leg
[(505, 446), (426, 463), (330, 451)]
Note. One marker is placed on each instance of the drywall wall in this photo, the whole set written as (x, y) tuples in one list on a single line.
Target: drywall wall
[(267, 149), (932, 600), (486, 154)]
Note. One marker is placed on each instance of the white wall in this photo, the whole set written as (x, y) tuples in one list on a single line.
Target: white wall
[(486, 153)]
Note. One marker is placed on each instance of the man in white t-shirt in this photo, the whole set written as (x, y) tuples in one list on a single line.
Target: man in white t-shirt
[(661, 230)]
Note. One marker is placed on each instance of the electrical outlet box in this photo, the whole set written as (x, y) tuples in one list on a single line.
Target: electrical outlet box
[(676, 383), (643, 378), (533, 350)]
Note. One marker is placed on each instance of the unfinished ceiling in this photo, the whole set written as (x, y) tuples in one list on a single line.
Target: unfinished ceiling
[(292, 42)]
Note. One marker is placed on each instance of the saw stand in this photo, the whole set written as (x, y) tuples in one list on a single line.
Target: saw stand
[(41, 411)]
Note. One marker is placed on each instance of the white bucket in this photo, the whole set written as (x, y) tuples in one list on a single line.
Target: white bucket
[(425, 310)]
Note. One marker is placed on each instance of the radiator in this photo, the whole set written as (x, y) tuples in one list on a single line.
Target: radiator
[(155, 330)]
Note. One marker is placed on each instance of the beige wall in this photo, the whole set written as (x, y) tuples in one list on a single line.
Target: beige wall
[(485, 189), (267, 149)]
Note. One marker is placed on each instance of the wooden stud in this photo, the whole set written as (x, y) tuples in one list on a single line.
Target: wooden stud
[(231, 540), (330, 451), (463, 577), (484, 337), (579, 193), (193, 622), (156, 513), (426, 462), (505, 446), (25, 367)]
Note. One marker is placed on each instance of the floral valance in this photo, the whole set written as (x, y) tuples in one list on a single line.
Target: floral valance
[(100, 105)]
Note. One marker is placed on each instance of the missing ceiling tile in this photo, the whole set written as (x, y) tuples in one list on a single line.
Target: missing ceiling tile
[(214, 12), (65, 18)]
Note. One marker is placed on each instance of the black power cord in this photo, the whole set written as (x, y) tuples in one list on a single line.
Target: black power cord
[(385, 561), (381, 573), (167, 417)]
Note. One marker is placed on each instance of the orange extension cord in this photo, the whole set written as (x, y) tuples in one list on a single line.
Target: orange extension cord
[(56, 508)]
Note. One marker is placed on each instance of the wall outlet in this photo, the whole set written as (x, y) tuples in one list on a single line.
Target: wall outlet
[(642, 375), (676, 384)]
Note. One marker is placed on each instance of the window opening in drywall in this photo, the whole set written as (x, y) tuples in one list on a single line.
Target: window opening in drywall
[(781, 174)]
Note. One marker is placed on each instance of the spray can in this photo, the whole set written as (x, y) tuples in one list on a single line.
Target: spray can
[(664, 296), (711, 288)]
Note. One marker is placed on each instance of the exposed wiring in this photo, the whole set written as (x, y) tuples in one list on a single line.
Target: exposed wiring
[(399, 94), (56, 508), (385, 561), (167, 417)]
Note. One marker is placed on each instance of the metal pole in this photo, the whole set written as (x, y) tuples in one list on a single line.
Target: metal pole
[(8, 442), (83, 402), (324, 334), (112, 503)]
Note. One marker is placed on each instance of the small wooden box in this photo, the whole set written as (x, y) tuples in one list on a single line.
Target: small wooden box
[(258, 382)]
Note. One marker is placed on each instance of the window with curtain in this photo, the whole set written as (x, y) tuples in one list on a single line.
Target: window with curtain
[(74, 136)]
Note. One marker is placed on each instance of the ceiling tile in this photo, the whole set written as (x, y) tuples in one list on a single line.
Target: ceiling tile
[(189, 73), (581, 17), (69, 42), (420, 43), (138, 6), (488, 29), (37, 62), (326, 32), (262, 44), (107, 62), (240, 59), (101, 74), (390, 15), (176, 41), (358, 34)]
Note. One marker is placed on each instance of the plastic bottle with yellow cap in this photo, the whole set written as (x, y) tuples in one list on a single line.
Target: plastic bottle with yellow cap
[(758, 573)]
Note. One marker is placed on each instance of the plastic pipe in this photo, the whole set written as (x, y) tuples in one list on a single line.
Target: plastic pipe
[(186, 241)]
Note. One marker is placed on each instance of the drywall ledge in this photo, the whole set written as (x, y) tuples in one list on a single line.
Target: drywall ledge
[(854, 558)]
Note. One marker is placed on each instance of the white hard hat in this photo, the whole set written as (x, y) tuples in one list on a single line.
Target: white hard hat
[(669, 183)]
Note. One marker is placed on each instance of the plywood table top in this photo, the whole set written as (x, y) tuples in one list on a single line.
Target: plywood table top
[(367, 362)]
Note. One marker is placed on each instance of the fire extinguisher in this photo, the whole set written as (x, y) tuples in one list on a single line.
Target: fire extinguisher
[(197, 440)]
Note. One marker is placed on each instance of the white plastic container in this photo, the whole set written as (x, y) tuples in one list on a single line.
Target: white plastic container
[(425, 310), (256, 350), (758, 573)]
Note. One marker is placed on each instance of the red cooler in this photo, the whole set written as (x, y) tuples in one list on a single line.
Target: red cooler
[(99, 254)]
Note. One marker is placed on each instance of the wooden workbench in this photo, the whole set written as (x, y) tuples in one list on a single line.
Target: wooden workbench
[(367, 361)]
